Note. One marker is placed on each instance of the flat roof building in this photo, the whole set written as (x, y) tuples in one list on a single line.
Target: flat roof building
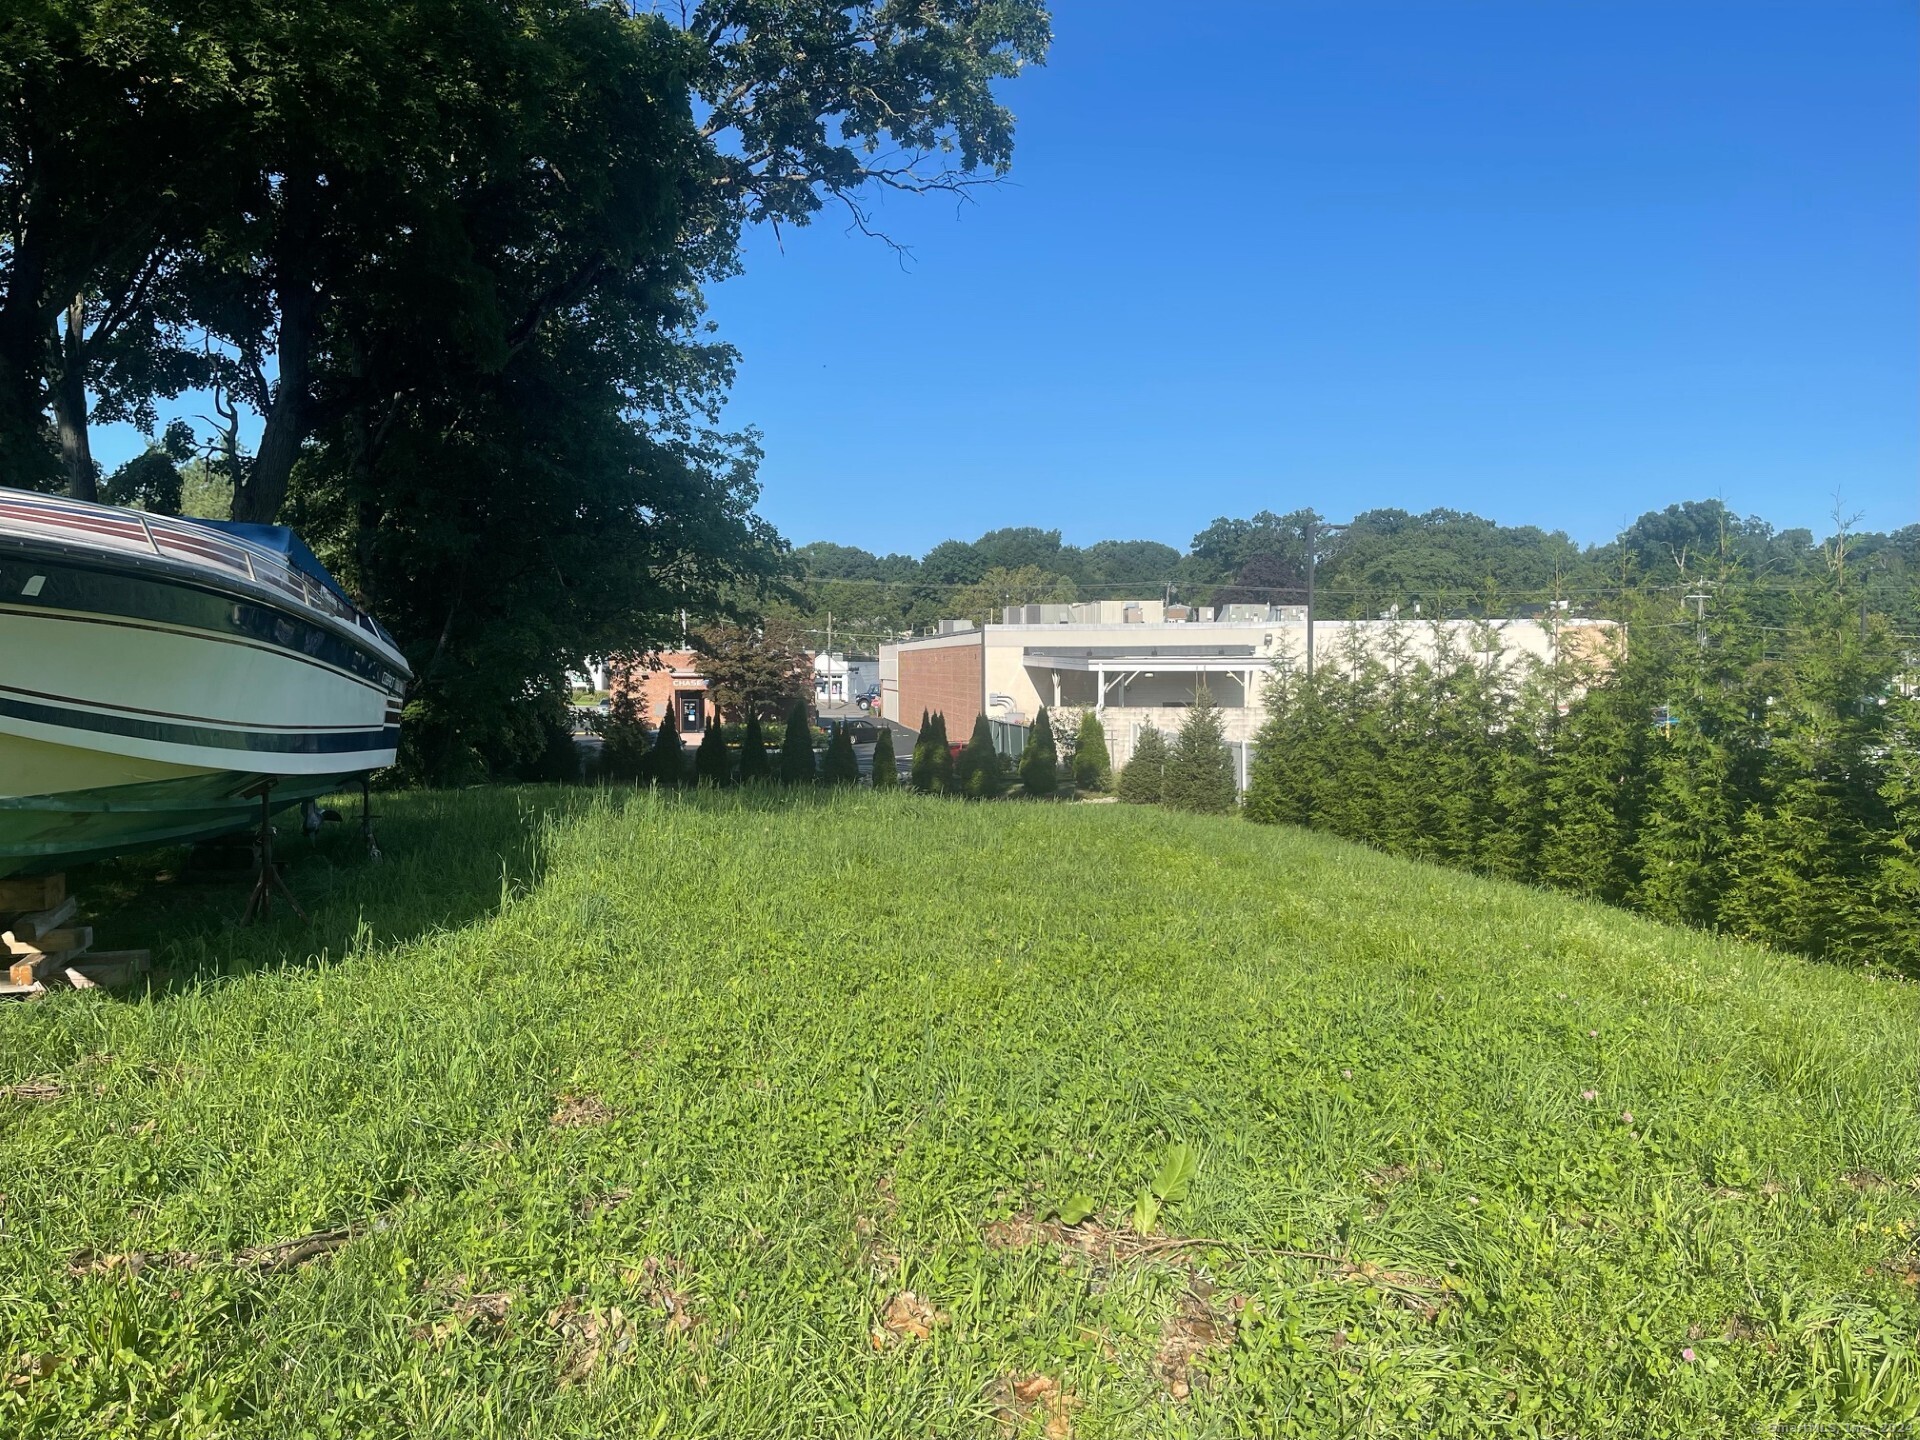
[(1140, 662)]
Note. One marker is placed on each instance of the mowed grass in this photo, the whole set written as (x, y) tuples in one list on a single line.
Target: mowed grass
[(647, 1110)]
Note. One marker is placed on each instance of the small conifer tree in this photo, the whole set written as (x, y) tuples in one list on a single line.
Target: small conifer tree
[(921, 772), (977, 774), (841, 766), (623, 738), (940, 758), (1199, 768), (796, 748), (755, 768), (1092, 765), (1140, 781), (1040, 762), (711, 762), (886, 773), (666, 765)]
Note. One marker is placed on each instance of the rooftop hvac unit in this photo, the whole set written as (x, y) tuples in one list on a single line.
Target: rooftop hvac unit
[(1132, 615)]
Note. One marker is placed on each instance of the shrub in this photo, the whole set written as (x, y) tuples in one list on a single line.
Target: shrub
[(1140, 781), (942, 758), (886, 772), (796, 748), (921, 771), (1092, 765), (557, 762), (1199, 769), (841, 766), (755, 768), (666, 762), (978, 775), (711, 762), (1040, 762), (932, 760), (623, 739)]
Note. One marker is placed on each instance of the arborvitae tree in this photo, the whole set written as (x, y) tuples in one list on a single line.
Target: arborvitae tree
[(796, 748), (1092, 765), (623, 738), (1199, 769), (1517, 820), (921, 772), (1040, 762), (1140, 781), (755, 768), (1595, 785), (1716, 772), (840, 766), (1896, 880), (1277, 788), (940, 771), (886, 771), (977, 775), (1805, 864), (666, 762), (711, 762)]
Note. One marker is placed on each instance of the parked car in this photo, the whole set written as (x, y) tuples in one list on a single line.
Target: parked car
[(869, 699)]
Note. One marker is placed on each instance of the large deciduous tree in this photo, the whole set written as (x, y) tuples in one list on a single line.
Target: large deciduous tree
[(756, 669)]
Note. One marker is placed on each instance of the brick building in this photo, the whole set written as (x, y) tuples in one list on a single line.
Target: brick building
[(667, 682)]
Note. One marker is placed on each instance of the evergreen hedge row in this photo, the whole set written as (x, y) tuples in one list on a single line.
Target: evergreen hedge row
[(1759, 780)]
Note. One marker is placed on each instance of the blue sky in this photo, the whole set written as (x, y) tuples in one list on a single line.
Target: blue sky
[(1556, 263)]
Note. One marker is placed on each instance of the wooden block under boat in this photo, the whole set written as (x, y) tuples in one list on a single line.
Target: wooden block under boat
[(67, 938), (32, 892), (26, 929), (38, 967), (109, 968)]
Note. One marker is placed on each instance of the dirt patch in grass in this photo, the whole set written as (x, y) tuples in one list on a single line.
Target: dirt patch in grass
[(600, 1204), (659, 1279), (578, 1112), (1198, 1329), (906, 1317), (1017, 1400), (589, 1338), (466, 1308)]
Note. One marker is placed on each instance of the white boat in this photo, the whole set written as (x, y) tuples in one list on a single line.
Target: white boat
[(154, 671)]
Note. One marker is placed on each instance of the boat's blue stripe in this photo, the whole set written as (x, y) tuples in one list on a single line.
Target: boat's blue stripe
[(205, 736)]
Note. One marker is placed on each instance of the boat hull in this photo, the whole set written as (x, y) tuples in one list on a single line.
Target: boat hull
[(141, 695), (83, 822)]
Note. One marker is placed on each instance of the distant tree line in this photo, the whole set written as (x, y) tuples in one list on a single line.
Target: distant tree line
[(1444, 563), (1758, 779)]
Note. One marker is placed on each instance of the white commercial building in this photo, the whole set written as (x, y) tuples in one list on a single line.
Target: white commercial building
[(1140, 663)]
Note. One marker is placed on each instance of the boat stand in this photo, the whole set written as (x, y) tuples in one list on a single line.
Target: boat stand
[(366, 818), (267, 880)]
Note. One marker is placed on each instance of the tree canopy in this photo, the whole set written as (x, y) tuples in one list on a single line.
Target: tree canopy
[(447, 259)]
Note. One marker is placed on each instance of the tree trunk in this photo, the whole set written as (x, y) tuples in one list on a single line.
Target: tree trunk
[(24, 458), (257, 495), (70, 401)]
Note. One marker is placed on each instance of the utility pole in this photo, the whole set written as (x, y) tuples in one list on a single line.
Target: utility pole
[(1312, 529), (1699, 619)]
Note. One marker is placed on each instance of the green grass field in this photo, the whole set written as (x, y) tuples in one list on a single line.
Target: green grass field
[(741, 1117)]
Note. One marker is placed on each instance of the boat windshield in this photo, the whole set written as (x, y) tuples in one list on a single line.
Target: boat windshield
[(281, 541)]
